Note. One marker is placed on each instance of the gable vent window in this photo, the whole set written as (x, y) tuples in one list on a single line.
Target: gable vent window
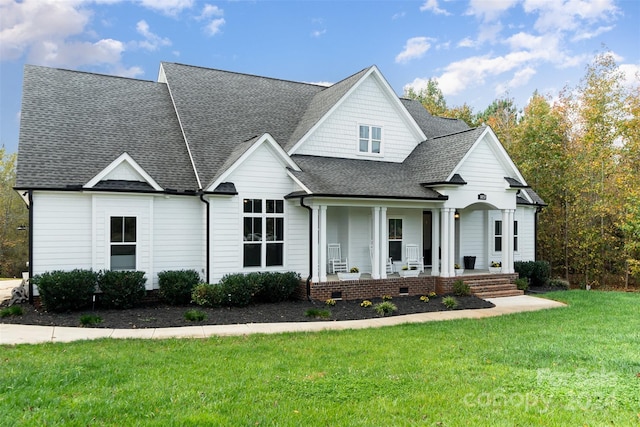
[(370, 140), (263, 233), (123, 243)]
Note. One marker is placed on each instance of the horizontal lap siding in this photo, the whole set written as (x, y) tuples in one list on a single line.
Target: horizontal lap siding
[(367, 105), (482, 170), (62, 231), (526, 234), (179, 234), (473, 237)]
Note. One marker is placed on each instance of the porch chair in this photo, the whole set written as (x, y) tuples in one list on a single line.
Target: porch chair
[(336, 263), (413, 257)]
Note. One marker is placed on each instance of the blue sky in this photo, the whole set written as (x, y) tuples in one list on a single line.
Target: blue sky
[(478, 50)]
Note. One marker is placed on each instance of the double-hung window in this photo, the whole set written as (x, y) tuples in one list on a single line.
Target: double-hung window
[(395, 239), (123, 242), (263, 234), (370, 139), (497, 236)]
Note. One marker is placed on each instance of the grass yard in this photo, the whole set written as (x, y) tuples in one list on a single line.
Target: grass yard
[(576, 366)]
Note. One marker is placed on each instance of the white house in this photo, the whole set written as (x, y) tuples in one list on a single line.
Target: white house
[(224, 172)]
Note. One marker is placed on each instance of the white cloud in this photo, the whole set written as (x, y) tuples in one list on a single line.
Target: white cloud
[(586, 35), (631, 74), (490, 11), (152, 41), (318, 33), (398, 15), (168, 7), (211, 10), (415, 48), (214, 27), (520, 78), (466, 42), (432, 6), (569, 15)]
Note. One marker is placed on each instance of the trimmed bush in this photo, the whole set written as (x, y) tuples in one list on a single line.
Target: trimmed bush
[(450, 302), (277, 287), (537, 271), (559, 283), (385, 308), (461, 289), (522, 283), (66, 290), (194, 315), (176, 286), (208, 295), (239, 289), (121, 289)]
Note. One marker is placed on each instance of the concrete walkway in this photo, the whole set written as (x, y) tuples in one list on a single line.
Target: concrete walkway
[(30, 334)]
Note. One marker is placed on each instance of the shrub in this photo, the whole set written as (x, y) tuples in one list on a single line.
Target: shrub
[(366, 303), (194, 315), (238, 289), (277, 287), (386, 308), (318, 313), (208, 295), (66, 290), (522, 283), (176, 285), (461, 289), (559, 283), (14, 310), (121, 289), (450, 302), (90, 319), (537, 272)]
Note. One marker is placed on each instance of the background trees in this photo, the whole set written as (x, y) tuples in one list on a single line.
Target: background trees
[(13, 214), (581, 153)]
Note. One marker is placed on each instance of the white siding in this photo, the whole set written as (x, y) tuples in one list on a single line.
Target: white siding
[(360, 238), (124, 171), (62, 231), (526, 234), (179, 235), (473, 237), (261, 176), (367, 105)]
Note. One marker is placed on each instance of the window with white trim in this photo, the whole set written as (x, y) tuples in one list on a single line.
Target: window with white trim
[(497, 236), (263, 234), (370, 139), (395, 239), (123, 242)]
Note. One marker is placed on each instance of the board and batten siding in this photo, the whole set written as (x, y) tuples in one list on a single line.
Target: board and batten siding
[(262, 175), (61, 231), (367, 105)]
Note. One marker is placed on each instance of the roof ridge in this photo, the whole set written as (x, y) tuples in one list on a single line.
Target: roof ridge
[(93, 73), (456, 133), (244, 74)]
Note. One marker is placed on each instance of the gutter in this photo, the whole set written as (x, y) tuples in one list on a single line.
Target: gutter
[(310, 246), (208, 249)]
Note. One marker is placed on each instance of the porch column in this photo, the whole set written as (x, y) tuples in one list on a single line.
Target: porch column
[(384, 248), (435, 242), (507, 240), (315, 256), (323, 243), (448, 239), (375, 249)]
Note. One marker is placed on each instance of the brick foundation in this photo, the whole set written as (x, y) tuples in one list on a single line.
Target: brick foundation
[(444, 285), (369, 288)]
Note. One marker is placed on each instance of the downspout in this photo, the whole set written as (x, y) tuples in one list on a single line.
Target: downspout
[(30, 208), (206, 202), (310, 246)]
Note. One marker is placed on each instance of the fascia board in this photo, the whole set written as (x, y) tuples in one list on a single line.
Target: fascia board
[(124, 157)]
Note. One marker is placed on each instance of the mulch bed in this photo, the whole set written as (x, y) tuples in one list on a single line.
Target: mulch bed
[(162, 316)]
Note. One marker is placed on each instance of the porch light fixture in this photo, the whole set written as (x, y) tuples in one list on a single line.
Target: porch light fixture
[(482, 196), (456, 215)]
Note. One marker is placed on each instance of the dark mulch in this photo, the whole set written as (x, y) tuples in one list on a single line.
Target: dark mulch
[(162, 316)]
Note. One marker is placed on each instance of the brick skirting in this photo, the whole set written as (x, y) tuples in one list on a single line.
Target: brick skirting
[(369, 288)]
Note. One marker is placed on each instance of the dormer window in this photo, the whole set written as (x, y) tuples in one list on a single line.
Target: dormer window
[(370, 141)]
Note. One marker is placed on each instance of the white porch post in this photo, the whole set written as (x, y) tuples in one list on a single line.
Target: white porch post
[(448, 239), (375, 267), (384, 248), (435, 242), (507, 240), (323, 243), (315, 256)]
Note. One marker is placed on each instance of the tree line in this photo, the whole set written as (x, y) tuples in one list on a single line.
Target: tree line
[(580, 152)]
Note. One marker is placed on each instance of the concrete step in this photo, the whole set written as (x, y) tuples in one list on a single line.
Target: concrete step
[(488, 281), (498, 294)]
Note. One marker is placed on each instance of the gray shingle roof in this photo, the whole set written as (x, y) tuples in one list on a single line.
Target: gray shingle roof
[(219, 109), (432, 126), (433, 160), (364, 178), (74, 124)]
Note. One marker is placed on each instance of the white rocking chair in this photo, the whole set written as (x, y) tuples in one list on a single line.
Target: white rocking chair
[(414, 259), (334, 256)]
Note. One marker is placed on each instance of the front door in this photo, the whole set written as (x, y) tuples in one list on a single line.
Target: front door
[(426, 237)]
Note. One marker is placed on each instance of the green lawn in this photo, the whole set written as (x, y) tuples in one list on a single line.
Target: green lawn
[(577, 366)]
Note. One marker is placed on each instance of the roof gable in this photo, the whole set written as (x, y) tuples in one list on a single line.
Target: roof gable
[(124, 168)]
